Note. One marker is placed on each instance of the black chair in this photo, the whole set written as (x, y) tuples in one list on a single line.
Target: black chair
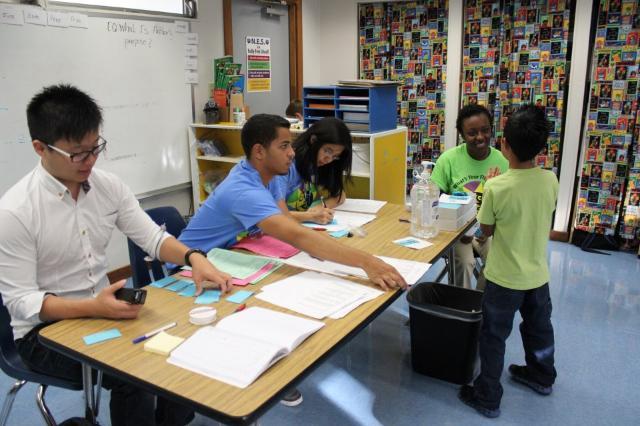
[(12, 365), (174, 223)]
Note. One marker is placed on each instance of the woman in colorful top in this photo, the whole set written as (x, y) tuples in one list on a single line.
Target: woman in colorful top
[(315, 182)]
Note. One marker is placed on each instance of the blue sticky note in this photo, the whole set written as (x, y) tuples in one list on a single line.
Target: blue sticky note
[(239, 296), (339, 234), (207, 297), (101, 336), (179, 285), (163, 282), (189, 291), (408, 242)]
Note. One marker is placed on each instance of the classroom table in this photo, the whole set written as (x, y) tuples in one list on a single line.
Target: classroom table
[(222, 402)]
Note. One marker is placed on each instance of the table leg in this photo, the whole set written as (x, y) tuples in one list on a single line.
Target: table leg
[(451, 266), (89, 399)]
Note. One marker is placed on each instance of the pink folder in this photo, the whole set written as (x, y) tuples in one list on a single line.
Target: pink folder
[(267, 246)]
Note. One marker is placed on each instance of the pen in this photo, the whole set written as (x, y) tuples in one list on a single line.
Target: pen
[(404, 220), (241, 307), (323, 203), (153, 333)]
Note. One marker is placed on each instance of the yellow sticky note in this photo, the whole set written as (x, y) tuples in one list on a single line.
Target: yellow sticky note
[(162, 343)]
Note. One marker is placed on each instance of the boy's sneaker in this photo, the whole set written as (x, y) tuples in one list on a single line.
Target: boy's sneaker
[(520, 374), (292, 399), (467, 396)]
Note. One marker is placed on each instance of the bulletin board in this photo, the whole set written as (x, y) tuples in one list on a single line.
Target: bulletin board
[(407, 42), (609, 190)]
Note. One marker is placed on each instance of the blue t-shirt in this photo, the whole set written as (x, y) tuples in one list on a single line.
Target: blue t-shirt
[(232, 211), (297, 194)]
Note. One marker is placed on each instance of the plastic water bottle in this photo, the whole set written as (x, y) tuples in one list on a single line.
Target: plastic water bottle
[(425, 196)]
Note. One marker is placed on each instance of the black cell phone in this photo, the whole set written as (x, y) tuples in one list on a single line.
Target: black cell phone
[(135, 296)]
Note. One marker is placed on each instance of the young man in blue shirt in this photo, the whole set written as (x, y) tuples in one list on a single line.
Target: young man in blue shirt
[(242, 205)]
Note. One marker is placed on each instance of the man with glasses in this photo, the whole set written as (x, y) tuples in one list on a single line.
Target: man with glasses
[(55, 225), (465, 168)]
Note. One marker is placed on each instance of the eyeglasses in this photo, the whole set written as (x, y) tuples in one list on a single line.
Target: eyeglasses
[(79, 157), (330, 153)]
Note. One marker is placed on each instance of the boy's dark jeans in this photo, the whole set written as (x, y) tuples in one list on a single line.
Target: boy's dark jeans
[(499, 305), (129, 405)]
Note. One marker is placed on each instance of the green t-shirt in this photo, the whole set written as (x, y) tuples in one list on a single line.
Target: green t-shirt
[(456, 170), (520, 203)]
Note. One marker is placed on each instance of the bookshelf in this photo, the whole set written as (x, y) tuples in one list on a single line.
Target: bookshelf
[(363, 109), (379, 161)]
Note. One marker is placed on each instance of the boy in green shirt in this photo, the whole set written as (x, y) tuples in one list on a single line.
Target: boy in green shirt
[(516, 209)]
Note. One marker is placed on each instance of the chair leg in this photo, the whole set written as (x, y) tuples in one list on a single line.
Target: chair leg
[(8, 401), (96, 407), (44, 410)]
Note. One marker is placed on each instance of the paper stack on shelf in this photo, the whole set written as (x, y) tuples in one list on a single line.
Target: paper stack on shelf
[(367, 83), (454, 211)]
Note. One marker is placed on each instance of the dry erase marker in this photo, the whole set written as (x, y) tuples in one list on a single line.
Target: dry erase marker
[(153, 333), (241, 307)]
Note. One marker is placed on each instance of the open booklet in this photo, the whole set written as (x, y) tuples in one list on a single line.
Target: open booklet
[(243, 345)]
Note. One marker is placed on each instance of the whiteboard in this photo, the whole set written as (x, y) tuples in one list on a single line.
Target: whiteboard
[(134, 69)]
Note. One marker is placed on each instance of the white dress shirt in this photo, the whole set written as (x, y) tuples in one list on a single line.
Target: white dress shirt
[(52, 244)]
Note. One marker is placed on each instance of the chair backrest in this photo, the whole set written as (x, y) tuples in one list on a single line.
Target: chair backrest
[(174, 223), (11, 362)]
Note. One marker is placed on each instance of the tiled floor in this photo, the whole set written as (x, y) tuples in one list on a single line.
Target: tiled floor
[(370, 381)]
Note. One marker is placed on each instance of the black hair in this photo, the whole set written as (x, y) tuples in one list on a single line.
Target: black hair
[(527, 131), (331, 176), (62, 112), (469, 111), (295, 107), (261, 129)]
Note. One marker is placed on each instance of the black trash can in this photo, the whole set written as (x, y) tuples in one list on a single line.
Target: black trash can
[(445, 324)]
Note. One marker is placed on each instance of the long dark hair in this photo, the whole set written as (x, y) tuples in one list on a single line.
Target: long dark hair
[(329, 130)]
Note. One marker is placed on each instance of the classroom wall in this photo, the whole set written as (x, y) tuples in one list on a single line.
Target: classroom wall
[(211, 39), (329, 41)]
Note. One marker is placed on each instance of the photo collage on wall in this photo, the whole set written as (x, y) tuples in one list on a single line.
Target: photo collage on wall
[(516, 54), (407, 42), (609, 183)]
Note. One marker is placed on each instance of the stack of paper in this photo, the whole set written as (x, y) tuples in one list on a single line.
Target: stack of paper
[(244, 268), (267, 246), (243, 345), (318, 295), (410, 270), (455, 211), (361, 206), (343, 221)]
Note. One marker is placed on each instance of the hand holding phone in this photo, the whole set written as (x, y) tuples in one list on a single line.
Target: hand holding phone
[(134, 296)]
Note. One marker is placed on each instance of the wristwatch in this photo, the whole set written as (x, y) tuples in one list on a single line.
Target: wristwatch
[(190, 252)]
